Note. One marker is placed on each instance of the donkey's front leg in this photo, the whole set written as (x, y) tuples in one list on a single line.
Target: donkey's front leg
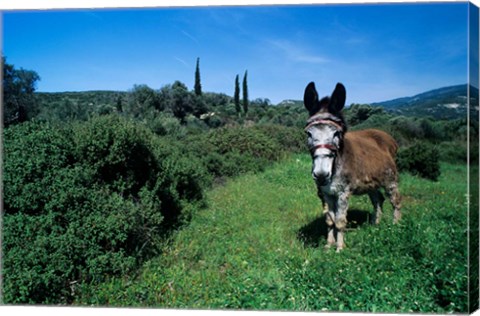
[(341, 219), (330, 219), (329, 212)]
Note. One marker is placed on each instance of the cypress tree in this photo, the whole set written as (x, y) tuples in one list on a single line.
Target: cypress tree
[(236, 96), (198, 86), (245, 93), (119, 104)]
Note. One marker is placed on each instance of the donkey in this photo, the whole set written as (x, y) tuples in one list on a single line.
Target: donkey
[(346, 163)]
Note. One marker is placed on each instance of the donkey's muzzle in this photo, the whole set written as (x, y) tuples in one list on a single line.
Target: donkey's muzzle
[(321, 178)]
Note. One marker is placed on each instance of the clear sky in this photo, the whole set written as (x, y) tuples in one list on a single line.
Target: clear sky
[(379, 52)]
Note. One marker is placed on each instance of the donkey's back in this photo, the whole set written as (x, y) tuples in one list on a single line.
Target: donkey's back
[(374, 136), (369, 160)]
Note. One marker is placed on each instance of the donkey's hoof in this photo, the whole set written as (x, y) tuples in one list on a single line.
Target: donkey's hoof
[(340, 247), (397, 218)]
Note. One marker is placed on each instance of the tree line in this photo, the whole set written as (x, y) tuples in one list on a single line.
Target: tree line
[(177, 111), (141, 102)]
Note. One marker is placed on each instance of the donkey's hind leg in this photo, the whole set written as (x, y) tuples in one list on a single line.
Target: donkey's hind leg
[(395, 199), (377, 200)]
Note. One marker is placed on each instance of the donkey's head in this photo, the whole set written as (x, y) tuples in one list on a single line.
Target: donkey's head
[(325, 129)]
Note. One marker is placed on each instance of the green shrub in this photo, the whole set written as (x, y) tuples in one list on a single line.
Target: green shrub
[(84, 207), (232, 151), (244, 140), (358, 113), (83, 236), (420, 159), (453, 152), (164, 123), (195, 125), (457, 152), (32, 154), (116, 151), (213, 120), (181, 178), (128, 158), (291, 139)]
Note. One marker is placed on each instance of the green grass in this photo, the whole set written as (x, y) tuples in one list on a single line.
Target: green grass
[(259, 245)]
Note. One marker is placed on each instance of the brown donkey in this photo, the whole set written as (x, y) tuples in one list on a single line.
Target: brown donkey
[(348, 163)]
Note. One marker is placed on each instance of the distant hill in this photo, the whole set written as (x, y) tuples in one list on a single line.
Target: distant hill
[(444, 103), (291, 103), (94, 97)]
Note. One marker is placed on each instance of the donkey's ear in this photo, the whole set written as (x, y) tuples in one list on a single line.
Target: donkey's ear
[(310, 99), (337, 100)]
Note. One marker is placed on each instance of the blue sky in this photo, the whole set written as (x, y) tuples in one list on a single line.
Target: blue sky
[(379, 52)]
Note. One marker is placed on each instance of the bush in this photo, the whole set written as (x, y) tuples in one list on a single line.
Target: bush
[(129, 158), (194, 125), (116, 151), (32, 154), (291, 139), (81, 208), (164, 123), (213, 120), (244, 140), (358, 113), (420, 159), (453, 152), (83, 236), (407, 126), (233, 151)]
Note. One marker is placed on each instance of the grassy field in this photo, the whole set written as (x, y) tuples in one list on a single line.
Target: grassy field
[(259, 245)]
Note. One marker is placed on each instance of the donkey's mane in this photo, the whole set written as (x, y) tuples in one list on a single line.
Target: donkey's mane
[(324, 115)]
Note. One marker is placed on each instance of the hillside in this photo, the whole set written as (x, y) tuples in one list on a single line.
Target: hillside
[(80, 97), (291, 103), (443, 103)]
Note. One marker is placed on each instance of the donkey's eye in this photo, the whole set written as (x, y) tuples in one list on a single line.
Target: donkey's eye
[(309, 134)]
